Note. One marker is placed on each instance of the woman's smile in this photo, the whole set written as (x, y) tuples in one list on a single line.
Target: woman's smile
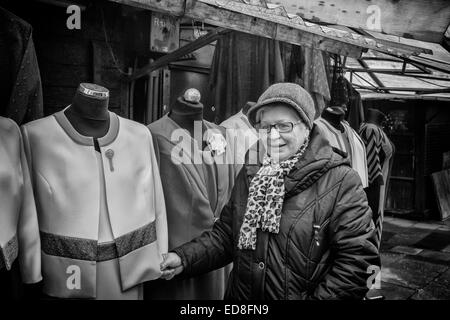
[(282, 145)]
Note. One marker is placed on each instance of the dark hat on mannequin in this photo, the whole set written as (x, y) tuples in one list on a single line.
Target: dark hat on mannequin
[(188, 102), (338, 109), (375, 115)]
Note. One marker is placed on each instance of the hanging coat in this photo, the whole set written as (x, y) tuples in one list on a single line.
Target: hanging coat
[(197, 185), (379, 160), (20, 81)]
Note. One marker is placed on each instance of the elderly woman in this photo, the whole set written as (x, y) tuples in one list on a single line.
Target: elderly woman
[(297, 228)]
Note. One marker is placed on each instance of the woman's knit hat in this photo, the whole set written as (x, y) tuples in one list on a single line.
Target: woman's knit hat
[(290, 94)]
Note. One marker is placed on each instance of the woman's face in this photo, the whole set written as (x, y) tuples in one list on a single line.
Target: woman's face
[(281, 146)]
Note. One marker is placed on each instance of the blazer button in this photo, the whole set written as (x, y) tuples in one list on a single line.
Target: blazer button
[(261, 265)]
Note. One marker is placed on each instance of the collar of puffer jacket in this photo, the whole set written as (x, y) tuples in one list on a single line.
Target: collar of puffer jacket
[(318, 158)]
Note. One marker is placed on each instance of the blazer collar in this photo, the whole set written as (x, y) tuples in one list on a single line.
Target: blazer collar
[(110, 136)]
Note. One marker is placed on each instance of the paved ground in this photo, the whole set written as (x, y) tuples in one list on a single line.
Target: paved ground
[(415, 258)]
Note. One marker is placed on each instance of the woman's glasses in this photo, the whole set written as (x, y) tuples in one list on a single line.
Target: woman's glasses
[(282, 127)]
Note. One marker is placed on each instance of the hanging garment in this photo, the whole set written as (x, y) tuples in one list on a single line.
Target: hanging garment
[(350, 142), (19, 233), (355, 110), (67, 187), (20, 81), (241, 136), (243, 67), (343, 92), (379, 159), (197, 185), (315, 78), (373, 136), (308, 68), (388, 149)]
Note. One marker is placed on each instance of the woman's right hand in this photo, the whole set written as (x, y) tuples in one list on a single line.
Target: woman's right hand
[(171, 266)]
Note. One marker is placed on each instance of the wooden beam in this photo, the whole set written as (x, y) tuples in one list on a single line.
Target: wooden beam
[(174, 7), (216, 10), (394, 44), (274, 23), (421, 90), (443, 67), (387, 71), (392, 96), (166, 59), (245, 23), (399, 73), (382, 59), (416, 19), (240, 17)]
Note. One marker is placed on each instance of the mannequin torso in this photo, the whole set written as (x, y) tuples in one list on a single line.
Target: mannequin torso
[(185, 114)]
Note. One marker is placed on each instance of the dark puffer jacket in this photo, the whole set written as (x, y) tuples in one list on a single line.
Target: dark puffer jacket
[(325, 244)]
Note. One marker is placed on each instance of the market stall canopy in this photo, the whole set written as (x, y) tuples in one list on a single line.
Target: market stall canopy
[(377, 75), (273, 21), (415, 19)]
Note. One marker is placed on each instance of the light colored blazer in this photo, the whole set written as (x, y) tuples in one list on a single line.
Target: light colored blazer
[(19, 233), (66, 183)]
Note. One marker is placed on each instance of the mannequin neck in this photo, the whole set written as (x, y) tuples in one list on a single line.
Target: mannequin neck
[(334, 119), (89, 116)]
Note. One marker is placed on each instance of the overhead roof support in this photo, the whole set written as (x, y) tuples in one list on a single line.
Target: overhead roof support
[(398, 73), (190, 47), (416, 19), (417, 90), (393, 96), (270, 22), (371, 74), (415, 50), (386, 71)]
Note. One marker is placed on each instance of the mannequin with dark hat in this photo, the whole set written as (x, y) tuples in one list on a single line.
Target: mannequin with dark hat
[(188, 110), (379, 150), (343, 137), (196, 186), (335, 115)]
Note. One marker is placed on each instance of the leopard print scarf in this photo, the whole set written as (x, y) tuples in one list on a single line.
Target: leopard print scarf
[(265, 199)]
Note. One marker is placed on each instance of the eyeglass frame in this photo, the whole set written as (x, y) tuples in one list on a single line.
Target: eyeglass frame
[(269, 127)]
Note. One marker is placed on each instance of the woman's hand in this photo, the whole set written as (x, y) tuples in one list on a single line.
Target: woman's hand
[(171, 266)]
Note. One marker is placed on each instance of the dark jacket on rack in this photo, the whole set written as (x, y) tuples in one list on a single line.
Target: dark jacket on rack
[(325, 246), (20, 80)]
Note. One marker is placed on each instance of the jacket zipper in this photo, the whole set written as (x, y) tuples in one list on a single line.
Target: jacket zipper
[(315, 241), (317, 229)]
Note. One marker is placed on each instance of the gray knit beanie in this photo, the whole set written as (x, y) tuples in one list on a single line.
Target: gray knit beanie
[(290, 94)]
